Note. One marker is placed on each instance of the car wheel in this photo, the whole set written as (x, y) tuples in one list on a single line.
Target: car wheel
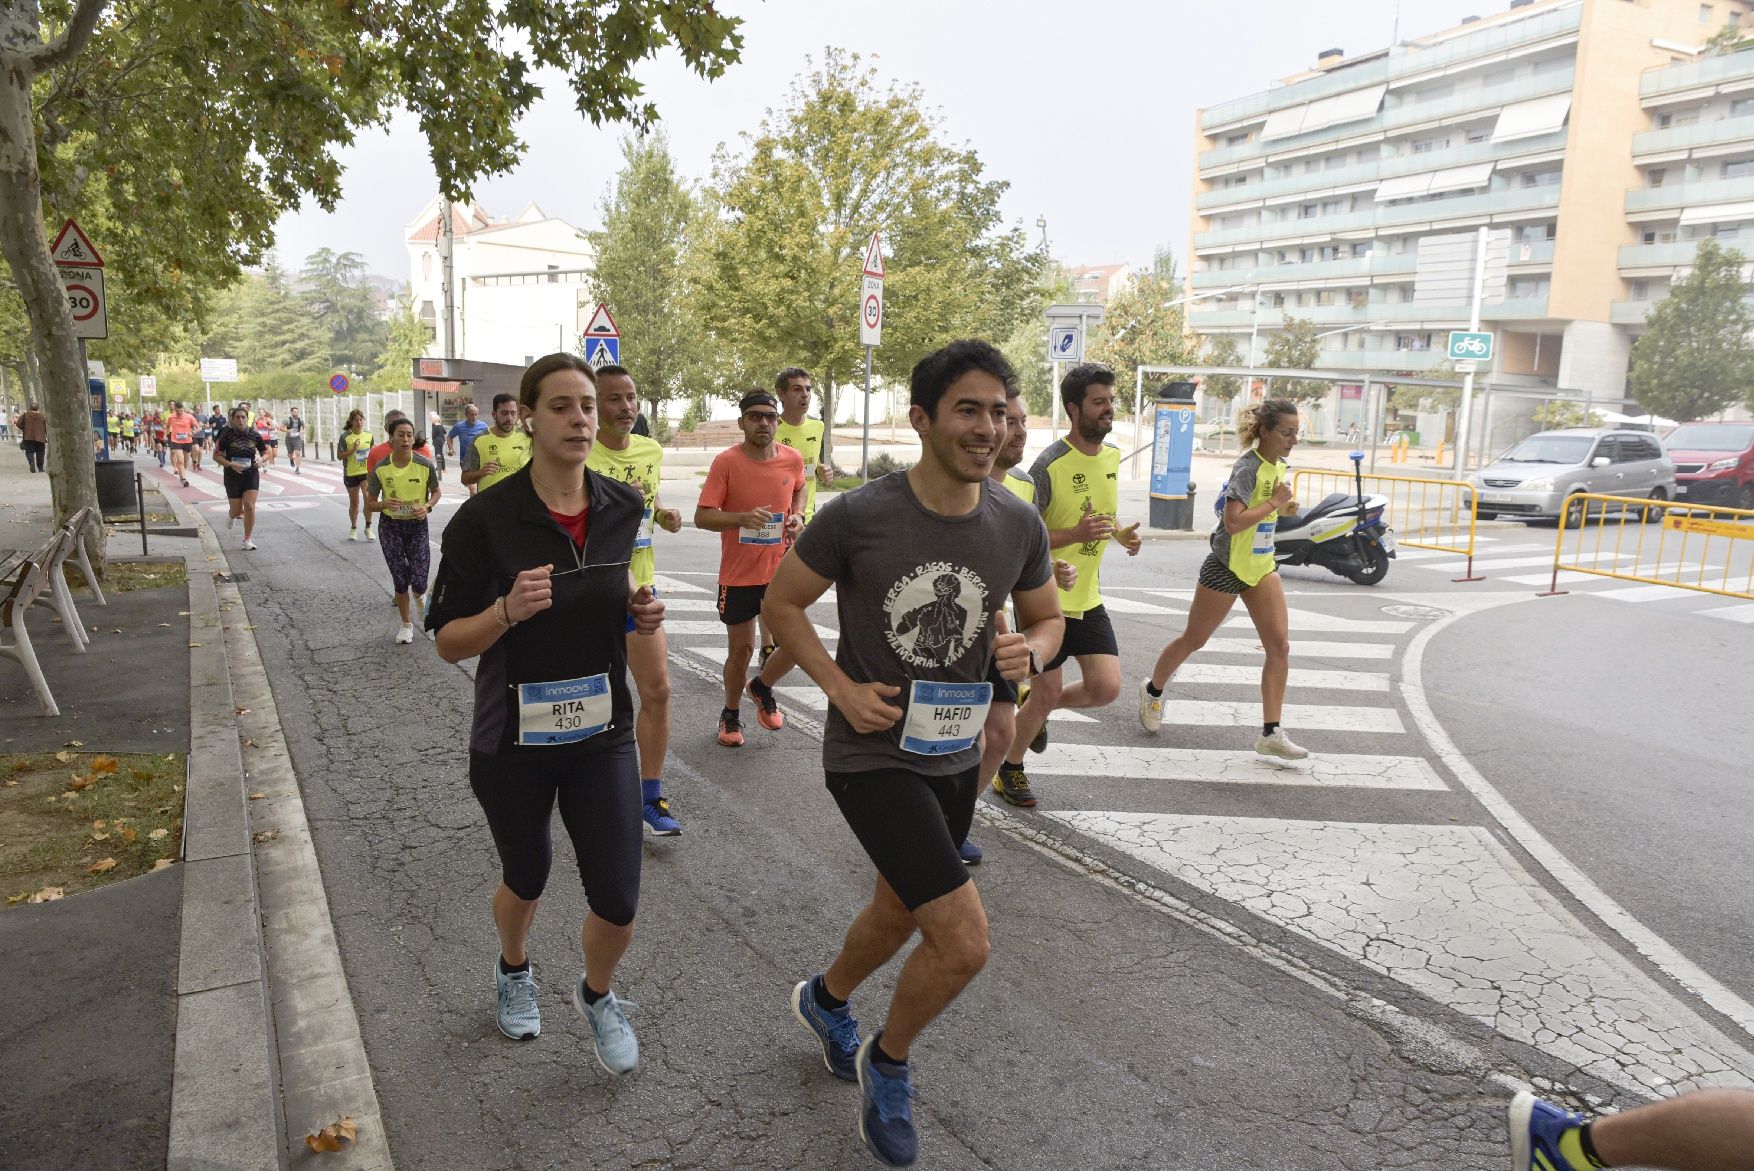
[(1653, 515), (1576, 511), (1745, 498)]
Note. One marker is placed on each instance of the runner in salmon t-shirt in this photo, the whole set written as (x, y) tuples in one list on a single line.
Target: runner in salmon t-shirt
[(381, 451), (180, 430), (754, 499)]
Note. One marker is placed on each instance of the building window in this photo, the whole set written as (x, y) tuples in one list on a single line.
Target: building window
[(1663, 121), (1537, 233), (426, 266), (1361, 248), (1654, 176), (1528, 287), (1705, 14), (1427, 145), (1238, 139), (1726, 231), (1479, 134), (1413, 342), (1541, 178), (1738, 168), (1741, 107), (1641, 290)]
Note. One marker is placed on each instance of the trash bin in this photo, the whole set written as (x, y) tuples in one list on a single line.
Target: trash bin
[(115, 486)]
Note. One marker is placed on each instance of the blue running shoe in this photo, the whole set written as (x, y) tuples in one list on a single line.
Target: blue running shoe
[(835, 1030), (657, 815), (886, 1117), (1535, 1129), (617, 1047), (971, 853), (519, 1018)]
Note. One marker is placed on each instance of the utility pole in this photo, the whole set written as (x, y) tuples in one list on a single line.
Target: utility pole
[(1468, 379), (447, 246)]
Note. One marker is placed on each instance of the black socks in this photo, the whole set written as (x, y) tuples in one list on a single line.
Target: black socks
[(1269, 729), (823, 1000), (590, 996), (1153, 692), (506, 969), (877, 1054)]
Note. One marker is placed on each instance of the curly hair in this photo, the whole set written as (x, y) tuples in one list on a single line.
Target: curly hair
[(1263, 417)]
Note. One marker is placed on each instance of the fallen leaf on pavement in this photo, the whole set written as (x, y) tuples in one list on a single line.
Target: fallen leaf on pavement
[(182, 613), (141, 774), (63, 757), (100, 824), (194, 644), (165, 625), (13, 900), (103, 866), (243, 711), (100, 836), (164, 864), (11, 784), (158, 833), (333, 1137), (251, 744), (49, 894), (104, 765), (128, 834), (257, 796), (74, 744), (267, 835), (79, 783)]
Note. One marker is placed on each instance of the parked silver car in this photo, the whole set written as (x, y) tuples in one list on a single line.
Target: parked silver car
[(1536, 479)]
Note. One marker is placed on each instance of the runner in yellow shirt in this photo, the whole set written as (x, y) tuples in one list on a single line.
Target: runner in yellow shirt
[(636, 460), (1077, 490), (1242, 565), (355, 445), (801, 433), (500, 450)]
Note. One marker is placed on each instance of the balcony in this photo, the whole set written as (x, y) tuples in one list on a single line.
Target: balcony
[(1539, 252), (1712, 72), (1380, 361), (1477, 98), (1675, 196), (1491, 205), (1630, 312), (1658, 255), (1680, 138), (1363, 267)]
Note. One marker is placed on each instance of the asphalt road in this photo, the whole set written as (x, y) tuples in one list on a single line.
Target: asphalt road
[(1198, 958)]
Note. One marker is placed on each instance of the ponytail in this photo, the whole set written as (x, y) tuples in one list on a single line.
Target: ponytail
[(1259, 418)]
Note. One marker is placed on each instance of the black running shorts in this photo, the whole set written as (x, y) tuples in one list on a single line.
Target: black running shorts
[(1215, 575), (1093, 634), (237, 483), (911, 826), (740, 604), (599, 799)]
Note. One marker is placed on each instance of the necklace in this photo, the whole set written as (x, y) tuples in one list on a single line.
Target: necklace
[(558, 491)]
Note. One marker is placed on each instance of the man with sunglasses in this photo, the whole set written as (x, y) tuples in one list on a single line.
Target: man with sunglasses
[(754, 499)]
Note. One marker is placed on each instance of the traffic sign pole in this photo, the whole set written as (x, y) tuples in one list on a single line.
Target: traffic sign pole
[(1466, 420), (870, 335)]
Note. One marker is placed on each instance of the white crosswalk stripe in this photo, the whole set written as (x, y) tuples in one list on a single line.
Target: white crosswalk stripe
[(715, 628), (1317, 621), (1315, 716), (1215, 765), (1426, 556), (1743, 612), (1224, 674)]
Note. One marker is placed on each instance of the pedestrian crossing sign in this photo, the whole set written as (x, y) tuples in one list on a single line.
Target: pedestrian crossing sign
[(603, 351)]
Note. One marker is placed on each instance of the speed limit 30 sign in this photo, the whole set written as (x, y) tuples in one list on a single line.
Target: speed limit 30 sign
[(85, 300)]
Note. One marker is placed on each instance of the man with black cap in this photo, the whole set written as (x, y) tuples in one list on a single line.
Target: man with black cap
[(754, 499)]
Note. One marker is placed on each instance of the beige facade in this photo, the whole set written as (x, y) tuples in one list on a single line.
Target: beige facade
[(1597, 140)]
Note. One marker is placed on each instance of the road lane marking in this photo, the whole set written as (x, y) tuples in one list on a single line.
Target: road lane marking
[(1297, 716), (1226, 766), (1235, 673)]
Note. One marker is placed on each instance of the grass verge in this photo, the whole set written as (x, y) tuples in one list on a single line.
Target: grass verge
[(71, 821), (126, 576)]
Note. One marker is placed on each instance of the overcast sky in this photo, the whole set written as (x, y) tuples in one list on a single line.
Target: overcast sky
[(1086, 109)]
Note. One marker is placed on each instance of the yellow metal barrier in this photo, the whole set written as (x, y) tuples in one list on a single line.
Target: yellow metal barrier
[(1425, 513), (1659, 544)]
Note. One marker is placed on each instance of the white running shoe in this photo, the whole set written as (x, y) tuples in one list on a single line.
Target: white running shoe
[(406, 634), (353, 534), (1150, 708), (249, 544), (1280, 745), (230, 523), (368, 533)]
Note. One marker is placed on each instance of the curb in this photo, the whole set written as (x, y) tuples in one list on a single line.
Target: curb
[(236, 1103)]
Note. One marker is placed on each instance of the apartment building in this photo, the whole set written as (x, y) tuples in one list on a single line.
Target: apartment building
[(1598, 140), (518, 284)]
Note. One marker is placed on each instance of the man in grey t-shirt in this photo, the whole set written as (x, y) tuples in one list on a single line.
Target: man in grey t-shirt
[(922, 562)]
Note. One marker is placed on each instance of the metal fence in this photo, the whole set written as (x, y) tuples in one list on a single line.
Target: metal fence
[(326, 417), (1631, 539), (1425, 513)]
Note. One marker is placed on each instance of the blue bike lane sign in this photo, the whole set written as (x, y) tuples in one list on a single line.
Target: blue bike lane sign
[(1466, 346)]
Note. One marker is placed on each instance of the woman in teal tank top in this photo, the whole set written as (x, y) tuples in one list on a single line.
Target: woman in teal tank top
[(1241, 565)]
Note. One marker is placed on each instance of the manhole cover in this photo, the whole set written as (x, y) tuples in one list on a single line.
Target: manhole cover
[(1415, 611)]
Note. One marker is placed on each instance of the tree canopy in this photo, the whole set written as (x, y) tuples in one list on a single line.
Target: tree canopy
[(1295, 347), (1696, 356)]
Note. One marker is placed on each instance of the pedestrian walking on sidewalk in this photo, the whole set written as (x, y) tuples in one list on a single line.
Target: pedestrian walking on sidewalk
[(405, 488), (553, 714), (33, 436), (922, 562), (239, 450), (1241, 565)]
